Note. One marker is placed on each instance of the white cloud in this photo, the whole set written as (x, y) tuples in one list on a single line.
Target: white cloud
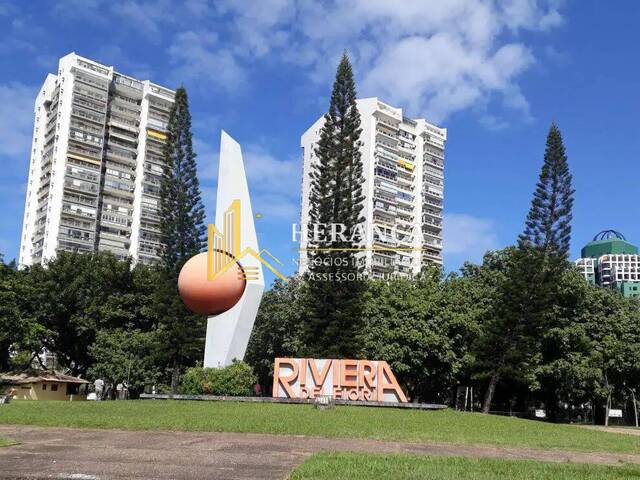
[(16, 119), (433, 58), (274, 183), (146, 16), (468, 236), (198, 55)]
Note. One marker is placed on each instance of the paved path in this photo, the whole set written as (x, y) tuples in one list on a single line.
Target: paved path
[(86, 454)]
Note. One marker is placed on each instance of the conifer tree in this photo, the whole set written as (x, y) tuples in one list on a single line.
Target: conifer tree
[(183, 235), (548, 224), (336, 197), (181, 210), (527, 297)]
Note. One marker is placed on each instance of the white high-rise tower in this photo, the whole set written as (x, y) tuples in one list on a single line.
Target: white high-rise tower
[(96, 164), (403, 163)]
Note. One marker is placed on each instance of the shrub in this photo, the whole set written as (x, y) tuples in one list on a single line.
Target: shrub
[(236, 380)]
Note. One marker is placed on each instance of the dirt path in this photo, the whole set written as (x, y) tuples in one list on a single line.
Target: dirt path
[(86, 454), (623, 430)]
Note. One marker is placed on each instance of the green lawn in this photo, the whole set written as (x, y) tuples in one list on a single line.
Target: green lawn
[(444, 426), (356, 466), (5, 442)]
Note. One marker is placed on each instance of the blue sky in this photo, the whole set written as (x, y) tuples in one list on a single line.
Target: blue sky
[(494, 73)]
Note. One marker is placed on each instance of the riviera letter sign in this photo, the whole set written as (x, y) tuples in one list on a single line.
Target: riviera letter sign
[(362, 380)]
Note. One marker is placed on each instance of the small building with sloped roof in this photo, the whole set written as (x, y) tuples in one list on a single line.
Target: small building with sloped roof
[(35, 384)]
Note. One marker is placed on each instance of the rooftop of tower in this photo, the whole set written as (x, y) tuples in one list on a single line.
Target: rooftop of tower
[(608, 242)]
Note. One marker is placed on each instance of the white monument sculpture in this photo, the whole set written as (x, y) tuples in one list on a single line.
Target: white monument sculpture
[(227, 282)]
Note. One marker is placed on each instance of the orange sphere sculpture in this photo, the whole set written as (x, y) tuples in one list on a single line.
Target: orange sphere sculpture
[(209, 297)]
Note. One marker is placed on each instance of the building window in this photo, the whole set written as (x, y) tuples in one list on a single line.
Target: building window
[(54, 387), (44, 386)]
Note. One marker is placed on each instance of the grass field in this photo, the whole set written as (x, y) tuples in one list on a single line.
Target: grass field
[(356, 466), (445, 426), (5, 442)]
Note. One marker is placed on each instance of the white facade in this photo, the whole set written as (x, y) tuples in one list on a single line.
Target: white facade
[(618, 268), (96, 164), (403, 163)]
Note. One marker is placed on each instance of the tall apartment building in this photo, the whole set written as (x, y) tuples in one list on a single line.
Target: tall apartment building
[(610, 261), (96, 164), (403, 163)]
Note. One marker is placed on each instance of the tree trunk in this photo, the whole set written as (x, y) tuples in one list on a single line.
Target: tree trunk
[(175, 375), (491, 389)]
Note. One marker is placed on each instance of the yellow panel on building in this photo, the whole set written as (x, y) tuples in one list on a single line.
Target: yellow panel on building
[(155, 134), (406, 164)]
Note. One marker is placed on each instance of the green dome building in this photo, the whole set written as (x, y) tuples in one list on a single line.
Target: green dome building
[(609, 260)]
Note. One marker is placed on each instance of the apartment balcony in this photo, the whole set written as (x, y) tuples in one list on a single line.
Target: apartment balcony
[(156, 153), (405, 187), (122, 111), (386, 140), (430, 222), (436, 142), (128, 137), (157, 124), (410, 149), (406, 176), (384, 208), (407, 202), (124, 142), (387, 253), (84, 238), (432, 243), (386, 113), (122, 156), (160, 106), (434, 152), (50, 136), (124, 124), (88, 115), (87, 139), (385, 153), (70, 245), (111, 201), (90, 93), (386, 163), (77, 223), (387, 129), (124, 196), (150, 227), (87, 128), (90, 82), (91, 154), (80, 198), (126, 102), (405, 244), (89, 104), (81, 187), (381, 196), (432, 234)]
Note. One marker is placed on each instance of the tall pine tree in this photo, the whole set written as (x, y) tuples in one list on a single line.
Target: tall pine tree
[(183, 235), (548, 224), (336, 198), (181, 210), (528, 293)]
